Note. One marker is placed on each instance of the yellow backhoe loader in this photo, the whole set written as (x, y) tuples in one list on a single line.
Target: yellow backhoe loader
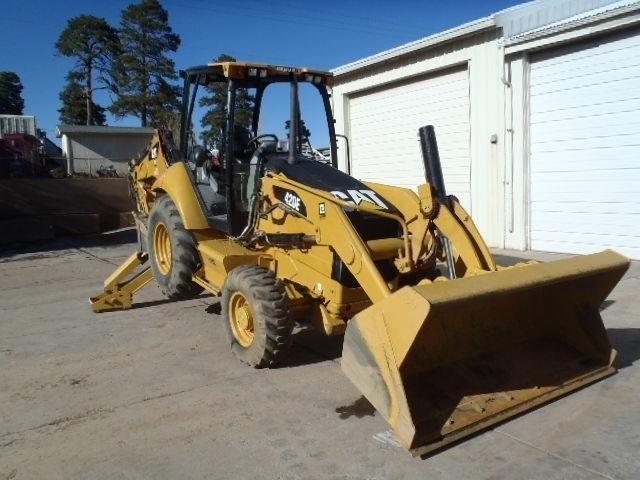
[(441, 340)]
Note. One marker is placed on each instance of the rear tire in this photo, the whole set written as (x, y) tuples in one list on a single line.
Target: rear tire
[(256, 314), (172, 251)]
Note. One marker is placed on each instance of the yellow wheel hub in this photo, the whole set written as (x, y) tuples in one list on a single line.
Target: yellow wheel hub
[(241, 318), (162, 248)]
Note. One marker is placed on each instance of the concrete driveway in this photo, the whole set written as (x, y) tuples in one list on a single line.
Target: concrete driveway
[(155, 393)]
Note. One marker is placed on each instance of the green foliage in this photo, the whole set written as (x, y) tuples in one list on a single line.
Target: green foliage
[(142, 72), (303, 131), (94, 44), (74, 105), (11, 101), (303, 134), (168, 120), (213, 122)]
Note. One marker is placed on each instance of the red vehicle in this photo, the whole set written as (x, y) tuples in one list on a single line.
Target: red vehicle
[(21, 155)]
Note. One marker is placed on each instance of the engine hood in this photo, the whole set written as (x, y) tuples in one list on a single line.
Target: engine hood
[(323, 176)]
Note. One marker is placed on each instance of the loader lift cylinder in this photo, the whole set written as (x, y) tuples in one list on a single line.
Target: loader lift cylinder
[(433, 174)]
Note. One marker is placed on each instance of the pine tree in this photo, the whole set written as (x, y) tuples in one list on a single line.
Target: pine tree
[(303, 131), (143, 71), (213, 122), (74, 105), (11, 101), (94, 44)]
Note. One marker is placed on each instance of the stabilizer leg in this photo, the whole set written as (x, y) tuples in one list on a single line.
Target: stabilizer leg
[(118, 291)]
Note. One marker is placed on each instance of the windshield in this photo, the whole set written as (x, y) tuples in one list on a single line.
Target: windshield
[(259, 109), (313, 130)]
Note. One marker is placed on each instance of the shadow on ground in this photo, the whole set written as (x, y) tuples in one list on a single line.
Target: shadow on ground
[(309, 346), (116, 237), (155, 303), (360, 408), (627, 342)]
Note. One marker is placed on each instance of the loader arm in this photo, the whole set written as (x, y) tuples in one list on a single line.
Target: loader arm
[(471, 253), (353, 251), (419, 218), (423, 216), (335, 230)]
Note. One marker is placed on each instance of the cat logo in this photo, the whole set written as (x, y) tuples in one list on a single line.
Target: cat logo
[(359, 196)]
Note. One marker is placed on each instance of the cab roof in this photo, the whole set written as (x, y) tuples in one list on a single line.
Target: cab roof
[(261, 72)]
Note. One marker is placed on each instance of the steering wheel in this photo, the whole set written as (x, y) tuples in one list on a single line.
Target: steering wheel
[(258, 141)]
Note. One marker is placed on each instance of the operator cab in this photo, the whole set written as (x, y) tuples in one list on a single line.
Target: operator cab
[(237, 117)]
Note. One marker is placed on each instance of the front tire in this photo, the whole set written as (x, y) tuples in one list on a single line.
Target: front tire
[(172, 251), (256, 314)]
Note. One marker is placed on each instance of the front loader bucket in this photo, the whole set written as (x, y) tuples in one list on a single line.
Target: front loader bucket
[(445, 360)]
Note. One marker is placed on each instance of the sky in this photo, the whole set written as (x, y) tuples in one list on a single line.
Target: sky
[(321, 35)]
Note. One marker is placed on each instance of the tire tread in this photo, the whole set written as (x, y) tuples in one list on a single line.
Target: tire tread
[(178, 284), (270, 305)]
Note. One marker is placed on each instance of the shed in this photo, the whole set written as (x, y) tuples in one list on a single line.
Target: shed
[(88, 148), (537, 114), (18, 124)]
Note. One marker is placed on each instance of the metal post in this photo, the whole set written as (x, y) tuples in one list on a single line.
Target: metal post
[(295, 120)]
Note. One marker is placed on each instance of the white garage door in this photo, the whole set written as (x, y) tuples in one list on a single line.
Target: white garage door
[(585, 147), (384, 131)]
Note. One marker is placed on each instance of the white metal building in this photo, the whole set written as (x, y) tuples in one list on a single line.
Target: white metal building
[(18, 124), (88, 148), (537, 114)]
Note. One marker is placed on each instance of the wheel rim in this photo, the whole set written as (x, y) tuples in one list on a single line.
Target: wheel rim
[(241, 319), (162, 248)]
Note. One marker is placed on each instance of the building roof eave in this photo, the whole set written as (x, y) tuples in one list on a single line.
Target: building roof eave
[(80, 129), (585, 19), (455, 33)]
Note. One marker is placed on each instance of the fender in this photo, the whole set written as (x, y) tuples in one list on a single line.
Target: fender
[(176, 183)]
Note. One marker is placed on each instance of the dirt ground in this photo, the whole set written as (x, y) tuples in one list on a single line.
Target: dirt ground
[(155, 393)]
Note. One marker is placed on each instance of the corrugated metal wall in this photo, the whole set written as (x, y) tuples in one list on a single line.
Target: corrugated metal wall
[(18, 124), (585, 146), (457, 88), (384, 130), (553, 138), (91, 151)]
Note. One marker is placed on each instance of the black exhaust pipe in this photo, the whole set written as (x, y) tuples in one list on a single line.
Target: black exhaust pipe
[(433, 174), (431, 160)]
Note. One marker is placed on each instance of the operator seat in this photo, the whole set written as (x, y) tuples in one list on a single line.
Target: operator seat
[(241, 139)]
